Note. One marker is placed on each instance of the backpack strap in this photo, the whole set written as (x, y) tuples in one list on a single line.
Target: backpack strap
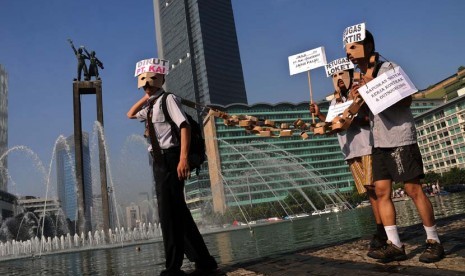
[(168, 117), (156, 150)]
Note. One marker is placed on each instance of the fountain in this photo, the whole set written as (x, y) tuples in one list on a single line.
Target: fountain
[(29, 234), (276, 172)]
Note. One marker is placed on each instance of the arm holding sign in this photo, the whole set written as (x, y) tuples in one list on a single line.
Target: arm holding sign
[(315, 110)]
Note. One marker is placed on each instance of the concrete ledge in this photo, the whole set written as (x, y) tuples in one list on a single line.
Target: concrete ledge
[(349, 257)]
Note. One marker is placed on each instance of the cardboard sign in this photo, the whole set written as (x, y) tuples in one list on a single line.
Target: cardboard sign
[(154, 65), (337, 65), (387, 89), (336, 110), (353, 34), (307, 60)]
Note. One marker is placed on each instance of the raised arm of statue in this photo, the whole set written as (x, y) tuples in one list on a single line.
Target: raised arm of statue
[(85, 50), (72, 46), (81, 63)]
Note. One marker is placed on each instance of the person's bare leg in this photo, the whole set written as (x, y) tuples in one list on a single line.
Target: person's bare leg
[(374, 203), (387, 211), (434, 250), (425, 208), (385, 206)]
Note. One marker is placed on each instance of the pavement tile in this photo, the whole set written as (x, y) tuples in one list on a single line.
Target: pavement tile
[(349, 257)]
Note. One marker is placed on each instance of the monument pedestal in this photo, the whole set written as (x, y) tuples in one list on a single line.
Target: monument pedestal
[(89, 88)]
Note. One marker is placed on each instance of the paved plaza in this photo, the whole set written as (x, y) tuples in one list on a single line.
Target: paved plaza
[(349, 257)]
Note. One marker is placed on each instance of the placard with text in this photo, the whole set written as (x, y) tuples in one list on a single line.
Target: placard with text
[(387, 89), (336, 110), (154, 65), (307, 60)]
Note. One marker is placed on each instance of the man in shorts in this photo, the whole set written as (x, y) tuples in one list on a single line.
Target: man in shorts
[(356, 147), (396, 157)]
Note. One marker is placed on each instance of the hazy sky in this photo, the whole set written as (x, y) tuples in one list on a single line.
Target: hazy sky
[(425, 37)]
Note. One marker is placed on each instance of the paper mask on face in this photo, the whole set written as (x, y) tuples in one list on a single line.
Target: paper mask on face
[(355, 50), (151, 79), (343, 76)]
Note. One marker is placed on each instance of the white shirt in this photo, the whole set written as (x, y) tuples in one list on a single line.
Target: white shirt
[(162, 127), (355, 141)]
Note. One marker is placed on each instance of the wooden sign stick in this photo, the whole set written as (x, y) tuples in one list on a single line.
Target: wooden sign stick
[(311, 94)]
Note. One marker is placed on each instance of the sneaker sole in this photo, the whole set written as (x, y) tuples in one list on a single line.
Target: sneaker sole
[(372, 254), (397, 258), (428, 261)]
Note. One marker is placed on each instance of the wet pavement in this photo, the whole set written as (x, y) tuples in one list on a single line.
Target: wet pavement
[(349, 257)]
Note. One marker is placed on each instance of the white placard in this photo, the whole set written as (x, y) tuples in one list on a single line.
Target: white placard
[(353, 34), (337, 65), (336, 110), (307, 60), (387, 89), (154, 65)]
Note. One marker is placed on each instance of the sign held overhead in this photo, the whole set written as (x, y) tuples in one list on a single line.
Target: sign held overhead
[(307, 60)]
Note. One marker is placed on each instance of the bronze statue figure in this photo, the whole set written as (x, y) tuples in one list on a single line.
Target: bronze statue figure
[(95, 63), (81, 61)]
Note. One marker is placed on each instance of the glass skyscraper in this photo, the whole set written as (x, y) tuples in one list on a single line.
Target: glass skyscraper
[(199, 39), (66, 178), (3, 124)]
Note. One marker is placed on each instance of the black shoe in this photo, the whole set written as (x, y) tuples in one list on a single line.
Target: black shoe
[(390, 252), (172, 273), (205, 272), (434, 252), (376, 243)]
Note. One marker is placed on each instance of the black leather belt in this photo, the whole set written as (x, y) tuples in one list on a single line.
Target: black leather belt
[(164, 151)]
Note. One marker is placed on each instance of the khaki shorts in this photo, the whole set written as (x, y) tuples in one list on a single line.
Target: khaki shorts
[(362, 171)]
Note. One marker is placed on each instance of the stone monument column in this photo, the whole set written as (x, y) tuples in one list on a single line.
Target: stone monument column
[(86, 88)]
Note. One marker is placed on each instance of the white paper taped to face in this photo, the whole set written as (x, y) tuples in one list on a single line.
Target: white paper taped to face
[(341, 80)]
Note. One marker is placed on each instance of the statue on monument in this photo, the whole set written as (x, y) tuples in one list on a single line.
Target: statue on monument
[(81, 58), (95, 63)]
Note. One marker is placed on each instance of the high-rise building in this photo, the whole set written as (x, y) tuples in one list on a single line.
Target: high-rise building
[(440, 130), (97, 215), (3, 126), (199, 39), (440, 136), (39, 206), (66, 178), (132, 216)]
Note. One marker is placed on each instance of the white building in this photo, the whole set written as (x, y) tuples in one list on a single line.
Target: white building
[(132, 216), (441, 136)]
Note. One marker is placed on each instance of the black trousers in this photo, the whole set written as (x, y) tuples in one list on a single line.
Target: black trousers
[(180, 233)]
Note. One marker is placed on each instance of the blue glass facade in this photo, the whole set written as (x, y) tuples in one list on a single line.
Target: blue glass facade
[(66, 180), (199, 39)]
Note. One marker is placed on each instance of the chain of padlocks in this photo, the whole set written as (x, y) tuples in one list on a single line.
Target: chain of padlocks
[(270, 128)]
